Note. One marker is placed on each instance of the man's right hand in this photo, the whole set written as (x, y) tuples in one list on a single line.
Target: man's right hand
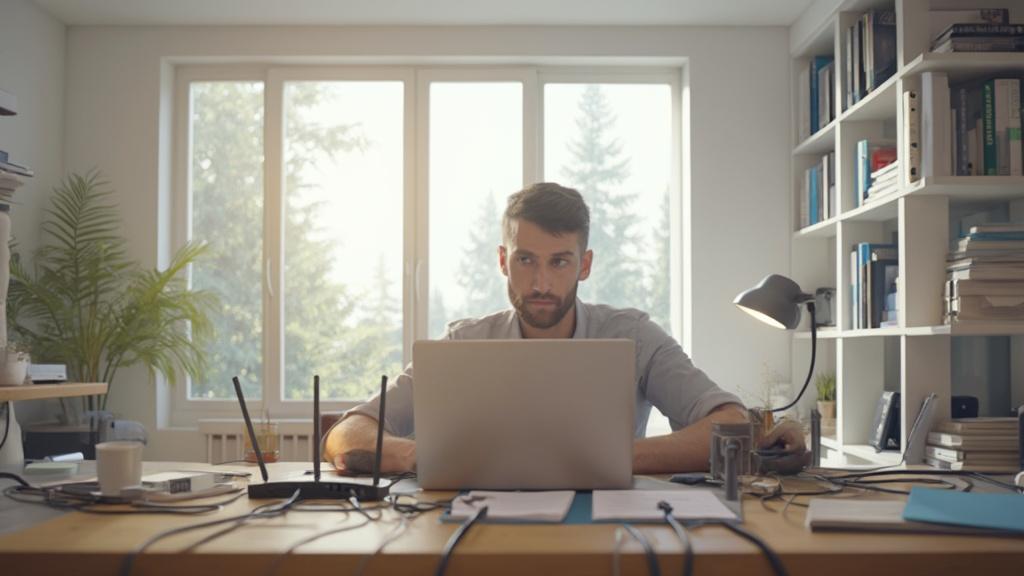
[(351, 446)]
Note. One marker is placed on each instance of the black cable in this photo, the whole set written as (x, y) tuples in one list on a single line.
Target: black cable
[(16, 478), (7, 423), (770, 554), (681, 534), (652, 558), (456, 536), (266, 511), (810, 371)]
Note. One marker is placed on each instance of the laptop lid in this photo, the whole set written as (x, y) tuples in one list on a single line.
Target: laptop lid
[(524, 414)]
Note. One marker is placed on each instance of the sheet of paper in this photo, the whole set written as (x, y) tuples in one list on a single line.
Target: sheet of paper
[(694, 504), (550, 506)]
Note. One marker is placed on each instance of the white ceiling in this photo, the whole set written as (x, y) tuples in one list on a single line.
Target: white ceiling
[(426, 12)]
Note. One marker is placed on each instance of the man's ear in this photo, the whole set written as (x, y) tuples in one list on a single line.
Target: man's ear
[(503, 260), (588, 258)]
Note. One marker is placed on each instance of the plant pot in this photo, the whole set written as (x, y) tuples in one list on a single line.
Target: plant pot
[(827, 409), (13, 367)]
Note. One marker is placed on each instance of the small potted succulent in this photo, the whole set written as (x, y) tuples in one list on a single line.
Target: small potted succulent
[(14, 360), (826, 385)]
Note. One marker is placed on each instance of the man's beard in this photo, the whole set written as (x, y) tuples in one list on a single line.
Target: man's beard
[(546, 318)]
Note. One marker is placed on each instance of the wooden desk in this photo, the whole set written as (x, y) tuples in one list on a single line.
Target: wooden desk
[(78, 543)]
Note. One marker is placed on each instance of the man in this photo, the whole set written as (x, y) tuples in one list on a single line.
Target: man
[(544, 256)]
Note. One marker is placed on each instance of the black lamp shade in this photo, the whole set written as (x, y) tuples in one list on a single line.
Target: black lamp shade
[(775, 301)]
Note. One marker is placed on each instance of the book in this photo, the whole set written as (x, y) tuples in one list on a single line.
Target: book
[(941, 19), (988, 119), (967, 29), (935, 132), (995, 468), (872, 515), (1000, 511), (885, 430), (996, 228), (1005, 457), (973, 441), (816, 65), (882, 47), (981, 44), (975, 425)]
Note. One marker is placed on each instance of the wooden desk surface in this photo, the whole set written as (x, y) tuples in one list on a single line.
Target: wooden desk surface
[(80, 543)]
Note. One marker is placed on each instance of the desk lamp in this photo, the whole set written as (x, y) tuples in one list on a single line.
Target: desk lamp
[(776, 301)]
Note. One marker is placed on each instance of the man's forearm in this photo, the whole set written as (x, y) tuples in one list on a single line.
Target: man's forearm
[(351, 446), (685, 450)]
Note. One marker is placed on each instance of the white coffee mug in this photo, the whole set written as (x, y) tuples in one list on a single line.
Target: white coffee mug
[(118, 466)]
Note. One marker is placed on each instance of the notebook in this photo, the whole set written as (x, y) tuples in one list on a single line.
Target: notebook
[(999, 511)]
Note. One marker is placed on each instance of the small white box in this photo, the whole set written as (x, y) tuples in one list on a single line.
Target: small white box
[(48, 372)]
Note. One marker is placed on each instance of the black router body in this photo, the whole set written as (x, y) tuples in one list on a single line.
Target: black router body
[(316, 490)]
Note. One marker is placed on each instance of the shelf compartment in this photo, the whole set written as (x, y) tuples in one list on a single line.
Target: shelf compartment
[(823, 229), (821, 142), (879, 104), (867, 452)]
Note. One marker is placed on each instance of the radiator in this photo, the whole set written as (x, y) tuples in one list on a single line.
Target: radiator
[(225, 439)]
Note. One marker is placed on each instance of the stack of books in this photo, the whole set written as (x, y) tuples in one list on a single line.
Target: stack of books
[(986, 127), (964, 37), (816, 106), (872, 157), (884, 181), (871, 53), (978, 444), (985, 280)]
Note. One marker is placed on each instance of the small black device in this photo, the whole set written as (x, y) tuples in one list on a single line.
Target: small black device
[(316, 490), (963, 407)]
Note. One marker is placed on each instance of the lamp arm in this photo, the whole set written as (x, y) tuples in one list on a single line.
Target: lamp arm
[(810, 371)]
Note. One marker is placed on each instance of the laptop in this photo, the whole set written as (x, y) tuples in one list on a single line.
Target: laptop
[(524, 414)]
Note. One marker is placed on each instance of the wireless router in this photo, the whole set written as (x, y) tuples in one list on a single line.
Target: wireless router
[(316, 490)]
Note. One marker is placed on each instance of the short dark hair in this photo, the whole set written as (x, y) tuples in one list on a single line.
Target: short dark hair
[(556, 209)]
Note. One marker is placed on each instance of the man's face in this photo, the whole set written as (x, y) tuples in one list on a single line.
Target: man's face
[(543, 271)]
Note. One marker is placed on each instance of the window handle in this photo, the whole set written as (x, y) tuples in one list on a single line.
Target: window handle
[(270, 285)]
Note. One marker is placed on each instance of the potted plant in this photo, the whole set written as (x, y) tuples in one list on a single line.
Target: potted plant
[(14, 360), (86, 304), (826, 385)]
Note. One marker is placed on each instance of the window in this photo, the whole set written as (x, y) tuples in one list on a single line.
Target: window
[(350, 211)]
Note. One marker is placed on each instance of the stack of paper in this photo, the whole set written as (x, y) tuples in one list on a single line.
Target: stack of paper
[(636, 505), (549, 506)]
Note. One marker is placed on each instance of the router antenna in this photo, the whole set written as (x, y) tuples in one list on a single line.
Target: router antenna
[(380, 431), (316, 428), (248, 426)]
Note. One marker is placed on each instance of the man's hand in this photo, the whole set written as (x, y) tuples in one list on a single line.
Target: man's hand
[(351, 446), (787, 437)]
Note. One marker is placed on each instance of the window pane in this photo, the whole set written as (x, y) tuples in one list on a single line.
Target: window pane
[(613, 142), (476, 161), (227, 213), (343, 151)]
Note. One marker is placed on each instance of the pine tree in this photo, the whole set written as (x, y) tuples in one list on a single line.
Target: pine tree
[(597, 169), (479, 274), (659, 269)]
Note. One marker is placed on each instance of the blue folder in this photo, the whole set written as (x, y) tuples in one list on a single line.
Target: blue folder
[(999, 511)]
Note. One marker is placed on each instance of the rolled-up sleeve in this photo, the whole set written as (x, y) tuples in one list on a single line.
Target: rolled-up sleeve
[(398, 419), (670, 381)]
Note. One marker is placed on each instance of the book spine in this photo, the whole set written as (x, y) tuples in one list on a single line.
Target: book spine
[(1013, 129), (812, 96), (1002, 105), (962, 155), (884, 45), (935, 124), (826, 208), (813, 194), (988, 138), (849, 67), (805, 106), (863, 171)]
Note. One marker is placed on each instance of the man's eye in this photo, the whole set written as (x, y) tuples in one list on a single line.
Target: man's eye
[(524, 259), (560, 262)]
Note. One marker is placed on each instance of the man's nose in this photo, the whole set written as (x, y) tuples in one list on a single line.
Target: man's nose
[(542, 281)]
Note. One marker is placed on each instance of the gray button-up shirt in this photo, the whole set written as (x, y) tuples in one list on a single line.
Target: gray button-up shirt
[(665, 376)]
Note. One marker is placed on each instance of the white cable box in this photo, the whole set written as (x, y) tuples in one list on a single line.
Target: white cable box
[(48, 372)]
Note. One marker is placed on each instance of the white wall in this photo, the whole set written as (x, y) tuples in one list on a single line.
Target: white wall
[(740, 157), (32, 69)]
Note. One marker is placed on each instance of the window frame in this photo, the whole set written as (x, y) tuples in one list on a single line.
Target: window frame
[(416, 193)]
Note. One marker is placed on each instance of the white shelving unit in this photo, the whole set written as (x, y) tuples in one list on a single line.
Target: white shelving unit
[(913, 358)]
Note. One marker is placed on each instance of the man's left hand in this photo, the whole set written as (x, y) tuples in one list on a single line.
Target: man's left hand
[(788, 438)]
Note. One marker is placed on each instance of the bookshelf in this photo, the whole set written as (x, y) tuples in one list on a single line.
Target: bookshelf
[(914, 357)]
